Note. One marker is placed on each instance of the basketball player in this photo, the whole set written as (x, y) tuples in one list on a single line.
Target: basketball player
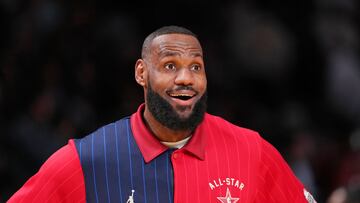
[(170, 149)]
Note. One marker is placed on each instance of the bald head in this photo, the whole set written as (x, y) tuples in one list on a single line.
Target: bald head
[(163, 31)]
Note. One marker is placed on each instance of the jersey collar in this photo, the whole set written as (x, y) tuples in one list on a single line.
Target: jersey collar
[(151, 147)]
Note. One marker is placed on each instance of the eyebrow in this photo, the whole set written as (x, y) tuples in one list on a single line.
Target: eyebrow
[(197, 54)]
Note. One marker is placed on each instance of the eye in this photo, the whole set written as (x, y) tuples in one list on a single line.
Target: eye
[(196, 67), (170, 66)]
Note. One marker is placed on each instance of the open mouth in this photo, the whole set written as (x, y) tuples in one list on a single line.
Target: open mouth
[(183, 97)]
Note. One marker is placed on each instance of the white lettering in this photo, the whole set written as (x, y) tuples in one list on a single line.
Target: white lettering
[(227, 181), (220, 183), (242, 186), (237, 183), (211, 186), (232, 181)]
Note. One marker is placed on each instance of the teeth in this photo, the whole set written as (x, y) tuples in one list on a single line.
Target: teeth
[(180, 95)]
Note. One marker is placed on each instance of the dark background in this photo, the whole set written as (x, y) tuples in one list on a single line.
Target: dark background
[(288, 69)]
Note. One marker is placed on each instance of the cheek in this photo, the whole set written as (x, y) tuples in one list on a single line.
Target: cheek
[(159, 82), (202, 83), (161, 77)]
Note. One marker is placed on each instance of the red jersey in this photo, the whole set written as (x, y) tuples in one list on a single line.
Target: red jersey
[(220, 163)]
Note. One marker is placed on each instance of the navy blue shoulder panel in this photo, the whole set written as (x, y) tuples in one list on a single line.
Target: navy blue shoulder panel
[(113, 166)]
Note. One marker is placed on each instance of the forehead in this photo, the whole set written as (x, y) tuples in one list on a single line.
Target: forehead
[(176, 42)]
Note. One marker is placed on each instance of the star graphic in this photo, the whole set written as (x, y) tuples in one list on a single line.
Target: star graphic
[(228, 198)]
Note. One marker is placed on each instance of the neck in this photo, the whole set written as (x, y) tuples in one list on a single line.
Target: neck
[(161, 132)]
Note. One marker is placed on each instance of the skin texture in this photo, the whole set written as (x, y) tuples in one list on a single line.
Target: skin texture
[(173, 61)]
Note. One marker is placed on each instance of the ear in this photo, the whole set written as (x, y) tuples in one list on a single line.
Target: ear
[(140, 72)]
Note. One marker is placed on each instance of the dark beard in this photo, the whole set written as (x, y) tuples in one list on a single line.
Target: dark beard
[(164, 113)]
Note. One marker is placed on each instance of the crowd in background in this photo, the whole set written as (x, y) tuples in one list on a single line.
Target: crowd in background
[(290, 71)]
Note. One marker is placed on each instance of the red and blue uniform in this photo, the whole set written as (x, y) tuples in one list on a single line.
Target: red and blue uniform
[(220, 163)]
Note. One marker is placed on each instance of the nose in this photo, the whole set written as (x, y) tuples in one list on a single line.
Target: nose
[(184, 77)]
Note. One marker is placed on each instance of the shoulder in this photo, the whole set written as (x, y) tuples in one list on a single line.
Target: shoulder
[(108, 130), (106, 137), (220, 131), (216, 123)]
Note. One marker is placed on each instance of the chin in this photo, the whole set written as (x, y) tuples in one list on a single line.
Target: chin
[(184, 115), (184, 111)]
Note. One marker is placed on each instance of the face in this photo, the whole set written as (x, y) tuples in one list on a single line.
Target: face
[(174, 70)]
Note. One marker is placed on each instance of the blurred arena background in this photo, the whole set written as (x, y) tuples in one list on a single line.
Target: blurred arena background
[(288, 69)]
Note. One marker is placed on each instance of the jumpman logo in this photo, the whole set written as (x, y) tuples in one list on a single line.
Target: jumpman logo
[(131, 197)]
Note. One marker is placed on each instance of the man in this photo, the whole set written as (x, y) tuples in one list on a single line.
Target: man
[(170, 150)]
